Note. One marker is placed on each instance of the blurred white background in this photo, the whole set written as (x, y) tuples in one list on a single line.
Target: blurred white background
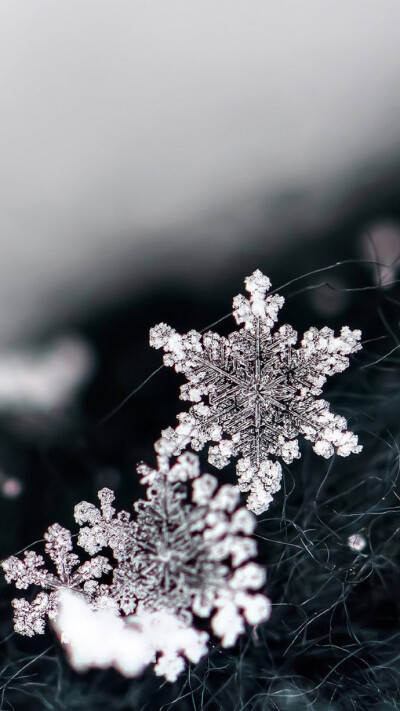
[(136, 135)]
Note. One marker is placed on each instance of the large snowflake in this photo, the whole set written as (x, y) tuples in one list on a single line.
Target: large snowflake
[(254, 392), (188, 551)]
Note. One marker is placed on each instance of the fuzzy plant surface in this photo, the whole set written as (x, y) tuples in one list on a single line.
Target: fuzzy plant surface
[(254, 392)]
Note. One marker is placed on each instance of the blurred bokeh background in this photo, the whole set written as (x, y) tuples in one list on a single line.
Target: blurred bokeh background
[(143, 142), (153, 154)]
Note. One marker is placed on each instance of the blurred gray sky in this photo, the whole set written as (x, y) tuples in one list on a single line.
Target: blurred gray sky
[(129, 128)]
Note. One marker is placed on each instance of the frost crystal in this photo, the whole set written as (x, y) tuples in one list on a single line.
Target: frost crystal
[(29, 618), (102, 639), (356, 542), (254, 393), (104, 528), (186, 553), (186, 556)]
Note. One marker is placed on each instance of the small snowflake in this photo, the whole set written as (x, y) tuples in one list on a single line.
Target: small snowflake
[(254, 393), (185, 555), (29, 617), (356, 542)]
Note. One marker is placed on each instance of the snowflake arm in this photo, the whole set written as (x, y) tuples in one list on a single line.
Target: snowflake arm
[(259, 309), (104, 529), (254, 392)]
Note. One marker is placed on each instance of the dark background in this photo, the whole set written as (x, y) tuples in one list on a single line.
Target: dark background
[(152, 156), (350, 649)]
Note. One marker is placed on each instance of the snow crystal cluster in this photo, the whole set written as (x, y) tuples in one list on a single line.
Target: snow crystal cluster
[(104, 639), (186, 554), (253, 393)]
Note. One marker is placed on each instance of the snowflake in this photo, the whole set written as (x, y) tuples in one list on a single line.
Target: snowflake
[(29, 617), (254, 393), (186, 553), (184, 556)]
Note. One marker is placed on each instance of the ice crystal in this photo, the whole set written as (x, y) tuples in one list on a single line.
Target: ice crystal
[(186, 553), (254, 392), (102, 639), (29, 617), (104, 528), (356, 542), (184, 556)]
